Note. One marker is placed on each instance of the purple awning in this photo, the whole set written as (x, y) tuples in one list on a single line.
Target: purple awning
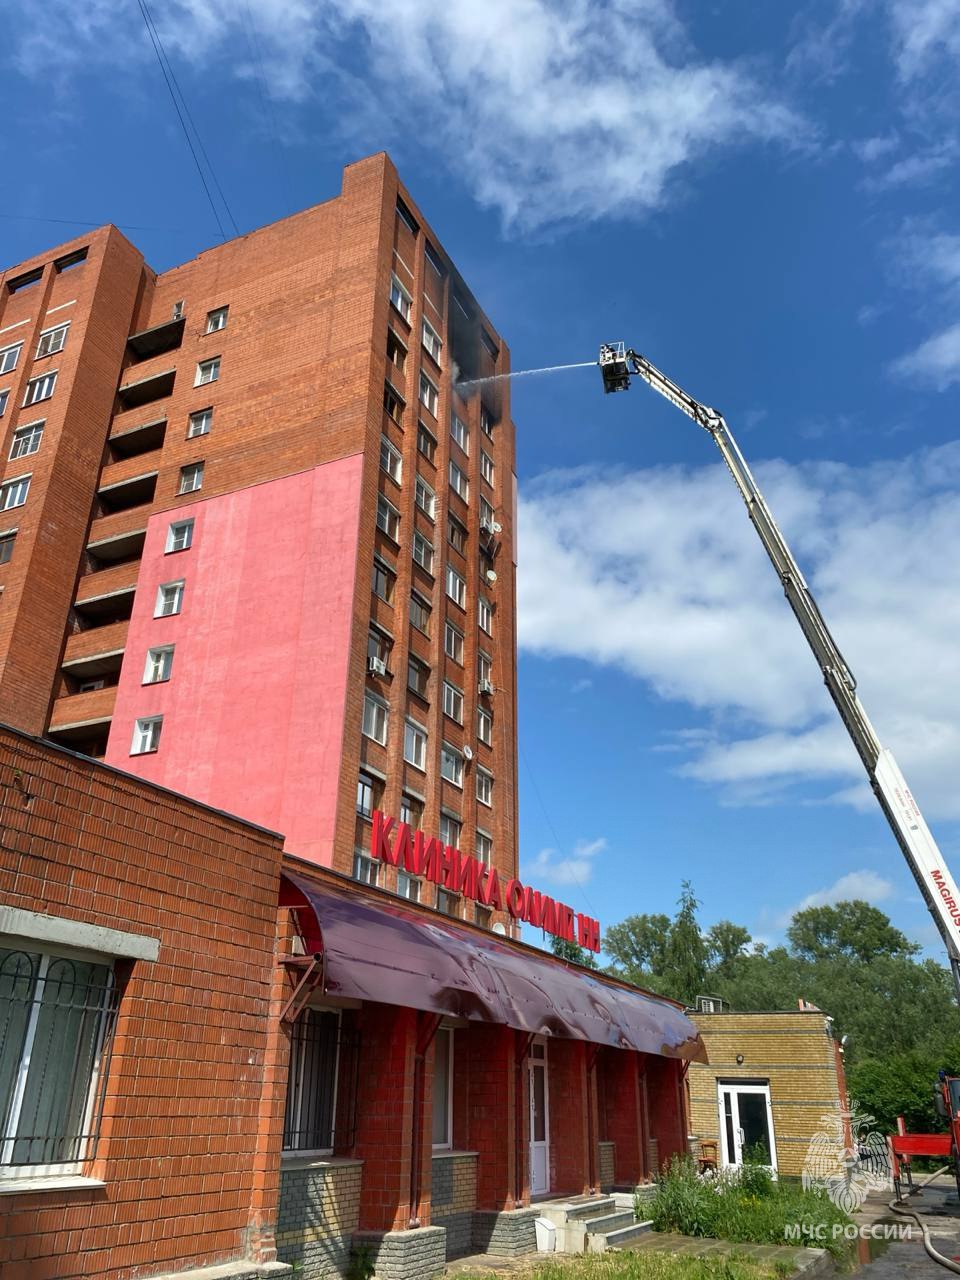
[(381, 949)]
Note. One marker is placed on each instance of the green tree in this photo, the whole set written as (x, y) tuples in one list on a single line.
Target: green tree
[(637, 946), (725, 942), (854, 929), (572, 951), (685, 955)]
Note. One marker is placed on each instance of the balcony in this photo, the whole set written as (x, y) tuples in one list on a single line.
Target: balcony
[(81, 721), (118, 536), (106, 596), (119, 490), (157, 339), (142, 437), (88, 655), (143, 390)]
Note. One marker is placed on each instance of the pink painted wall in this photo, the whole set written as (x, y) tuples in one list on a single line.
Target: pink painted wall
[(253, 711)]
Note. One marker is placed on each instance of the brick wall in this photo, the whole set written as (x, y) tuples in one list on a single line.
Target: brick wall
[(318, 1213), (454, 1198), (179, 1157), (569, 1097)]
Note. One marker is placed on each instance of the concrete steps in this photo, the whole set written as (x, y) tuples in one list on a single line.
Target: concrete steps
[(623, 1236), (592, 1224)]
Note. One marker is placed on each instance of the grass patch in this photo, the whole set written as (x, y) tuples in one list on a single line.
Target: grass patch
[(616, 1265), (748, 1209)]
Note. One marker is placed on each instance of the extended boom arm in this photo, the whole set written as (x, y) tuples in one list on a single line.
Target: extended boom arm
[(919, 847)]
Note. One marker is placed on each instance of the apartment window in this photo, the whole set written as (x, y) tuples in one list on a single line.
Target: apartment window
[(452, 702), (485, 726), (26, 440), (485, 615), (453, 643), (482, 915), (423, 552), (14, 493), (451, 765), (52, 340), (448, 903), (6, 546), (396, 351), (418, 676), (383, 581), (486, 466), (420, 612), (450, 829), (4, 397), (429, 395), (365, 868), (484, 847), (408, 886), (484, 786), (146, 736), (426, 443), (9, 357), (388, 518), (179, 536), (393, 403), (191, 478), (458, 481), (400, 298), (486, 421), (159, 664), (375, 718), (207, 371), (378, 646), (443, 1084), (217, 319), (40, 388), (456, 587), (369, 793), (199, 423), (309, 1118), (415, 744), (487, 516), (433, 258), (407, 218), (169, 599), (432, 342), (58, 1018), (425, 498), (456, 534), (91, 686), (411, 810), (390, 459), (484, 668), (458, 429)]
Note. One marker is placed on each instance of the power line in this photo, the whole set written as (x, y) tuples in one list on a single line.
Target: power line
[(553, 830), (161, 55), (86, 222)]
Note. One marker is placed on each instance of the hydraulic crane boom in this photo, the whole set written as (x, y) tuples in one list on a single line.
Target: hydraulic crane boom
[(903, 814)]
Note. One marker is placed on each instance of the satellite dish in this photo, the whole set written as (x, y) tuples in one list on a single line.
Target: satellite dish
[(500, 929), (468, 753), (491, 575), (497, 527)]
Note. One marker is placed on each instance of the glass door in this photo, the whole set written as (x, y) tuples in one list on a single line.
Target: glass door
[(746, 1123), (539, 1119)]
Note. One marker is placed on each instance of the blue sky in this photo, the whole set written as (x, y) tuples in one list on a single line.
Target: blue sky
[(763, 199)]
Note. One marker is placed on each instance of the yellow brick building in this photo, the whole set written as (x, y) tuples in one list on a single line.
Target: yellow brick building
[(771, 1079)]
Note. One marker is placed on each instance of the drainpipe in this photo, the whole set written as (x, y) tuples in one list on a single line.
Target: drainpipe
[(427, 1026), (593, 1177), (523, 1042)]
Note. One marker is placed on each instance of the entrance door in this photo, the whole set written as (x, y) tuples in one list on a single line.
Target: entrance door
[(539, 1119), (746, 1123)]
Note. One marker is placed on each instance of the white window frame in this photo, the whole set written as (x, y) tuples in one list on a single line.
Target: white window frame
[(190, 472), (380, 714), (460, 432), (391, 459), (447, 817), (424, 431), (30, 431), (484, 726), (408, 886), (453, 701), (454, 649), (449, 754), (484, 666), (459, 481), (199, 423), (454, 580), (217, 319), (10, 357), (485, 855), (207, 371), (415, 733), (389, 574), (176, 530), (423, 551), (488, 516), (485, 615), (370, 866), (47, 346), (487, 468), (431, 340), (159, 664), (428, 393), (445, 1034), (176, 598), (17, 488), (425, 498), (484, 792), (39, 384), (486, 422), (8, 537), (4, 398), (388, 518), (400, 298), (146, 736)]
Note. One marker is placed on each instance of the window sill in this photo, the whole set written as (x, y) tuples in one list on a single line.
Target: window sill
[(445, 1153), (296, 1160), (63, 1182)]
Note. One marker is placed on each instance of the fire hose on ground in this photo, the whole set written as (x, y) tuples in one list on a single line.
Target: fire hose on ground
[(898, 1207)]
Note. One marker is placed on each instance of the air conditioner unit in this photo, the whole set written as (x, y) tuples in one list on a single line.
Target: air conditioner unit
[(376, 666), (486, 686), (491, 526)]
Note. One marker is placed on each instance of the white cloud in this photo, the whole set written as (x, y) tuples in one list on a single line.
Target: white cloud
[(864, 885), (573, 870), (935, 362), (664, 579), (924, 30), (549, 110), (929, 262)]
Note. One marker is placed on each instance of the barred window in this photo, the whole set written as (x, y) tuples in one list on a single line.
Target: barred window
[(321, 1085), (56, 1018)]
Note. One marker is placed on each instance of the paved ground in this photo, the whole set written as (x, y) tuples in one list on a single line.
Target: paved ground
[(807, 1262), (940, 1208)]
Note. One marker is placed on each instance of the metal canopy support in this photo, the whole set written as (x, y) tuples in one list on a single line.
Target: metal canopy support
[(311, 977)]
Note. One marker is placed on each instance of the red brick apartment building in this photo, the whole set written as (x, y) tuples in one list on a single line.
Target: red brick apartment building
[(257, 576)]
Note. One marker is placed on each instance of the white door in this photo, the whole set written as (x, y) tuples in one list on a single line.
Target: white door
[(746, 1123), (539, 1119)]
